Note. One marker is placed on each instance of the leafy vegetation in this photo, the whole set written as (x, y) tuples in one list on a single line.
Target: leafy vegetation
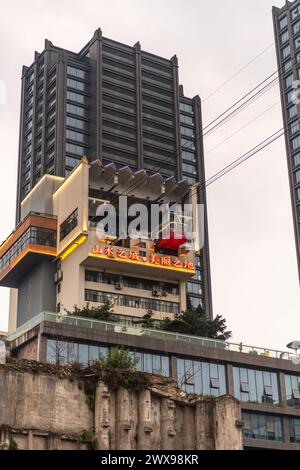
[(120, 358), (103, 312)]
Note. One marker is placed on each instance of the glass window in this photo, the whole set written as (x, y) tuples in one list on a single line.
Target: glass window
[(76, 149), (190, 179), (77, 85), (201, 377), (76, 97), (287, 66), (188, 156), (73, 122), (262, 387), (296, 159), (292, 382), (296, 143), (187, 131), (187, 108), (260, 426), (186, 119), (284, 37), (77, 136), (290, 96), (294, 127), (297, 42), (187, 167), (297, 176), (296, 27), (189, 144), (75, 72), (152, 363), (295, 12), (294, 428), (283, 22), (69, 224), (78, 110), (292, 111), (286, 51), (289, 81)]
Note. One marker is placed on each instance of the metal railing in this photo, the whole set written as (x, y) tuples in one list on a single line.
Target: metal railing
[(138, 331)]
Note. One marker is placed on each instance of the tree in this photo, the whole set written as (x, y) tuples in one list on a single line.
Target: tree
[(146, 321), (120, 358), (103, 312), (194, 322)]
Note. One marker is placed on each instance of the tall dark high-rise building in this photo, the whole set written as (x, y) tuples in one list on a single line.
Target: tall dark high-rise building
[(115, 103), (287, 39)]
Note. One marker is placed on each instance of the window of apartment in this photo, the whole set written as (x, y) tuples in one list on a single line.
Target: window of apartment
[(77, 136), (187, 131), (78, 123), (296, 159), (63, 352), (295, 12), (186, 119), (195, 302), (286, 51), (294, 430), (201, 377), (297, 177), (187, 167), (289, 81), (72, 162), (28, 138), (297, 42), (75, 72), (76, 149), (185, 143), (27, 163), (292, 384), (69, 224), (292, 111), (27, 176), (190, 179), (152, 363), (76, 84), (287, 66), (187, 108), (290, 96), (77, 98), (284, 37), (261, 426), (283, 23), (188, 156), (262, 386), (296, 143), (194, 288), (294, 127), (296, 27), (72, 109)]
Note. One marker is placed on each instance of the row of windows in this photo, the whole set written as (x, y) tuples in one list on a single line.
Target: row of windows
[(131, 301), (132, 282), (32, 236), (255, 385), (260, 426), (78, 73)]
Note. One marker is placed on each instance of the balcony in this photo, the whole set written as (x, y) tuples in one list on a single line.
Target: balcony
[(32, 240)]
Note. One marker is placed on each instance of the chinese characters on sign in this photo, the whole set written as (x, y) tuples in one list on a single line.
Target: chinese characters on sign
[(133, 255)]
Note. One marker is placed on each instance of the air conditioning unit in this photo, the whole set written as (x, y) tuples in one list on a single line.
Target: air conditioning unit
[(164, 293), (155, 293), (58, 276), (118, 286)]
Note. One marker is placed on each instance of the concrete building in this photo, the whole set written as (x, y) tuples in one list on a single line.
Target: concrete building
[(287, 40), (114, 103)]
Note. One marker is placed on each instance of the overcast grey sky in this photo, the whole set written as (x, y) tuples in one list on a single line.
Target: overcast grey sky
[(253, 261)]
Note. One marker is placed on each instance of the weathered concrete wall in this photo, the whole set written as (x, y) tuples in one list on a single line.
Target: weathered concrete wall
[(42, 411)]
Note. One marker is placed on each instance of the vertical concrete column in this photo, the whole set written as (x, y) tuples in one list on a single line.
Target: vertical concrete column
[(227, 428), (188, 428), (229, 379), (102, 417), (173, 362), (282, 391), (123, 423), (168, 432), (145, 426), (286, 430), (204, 426)]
